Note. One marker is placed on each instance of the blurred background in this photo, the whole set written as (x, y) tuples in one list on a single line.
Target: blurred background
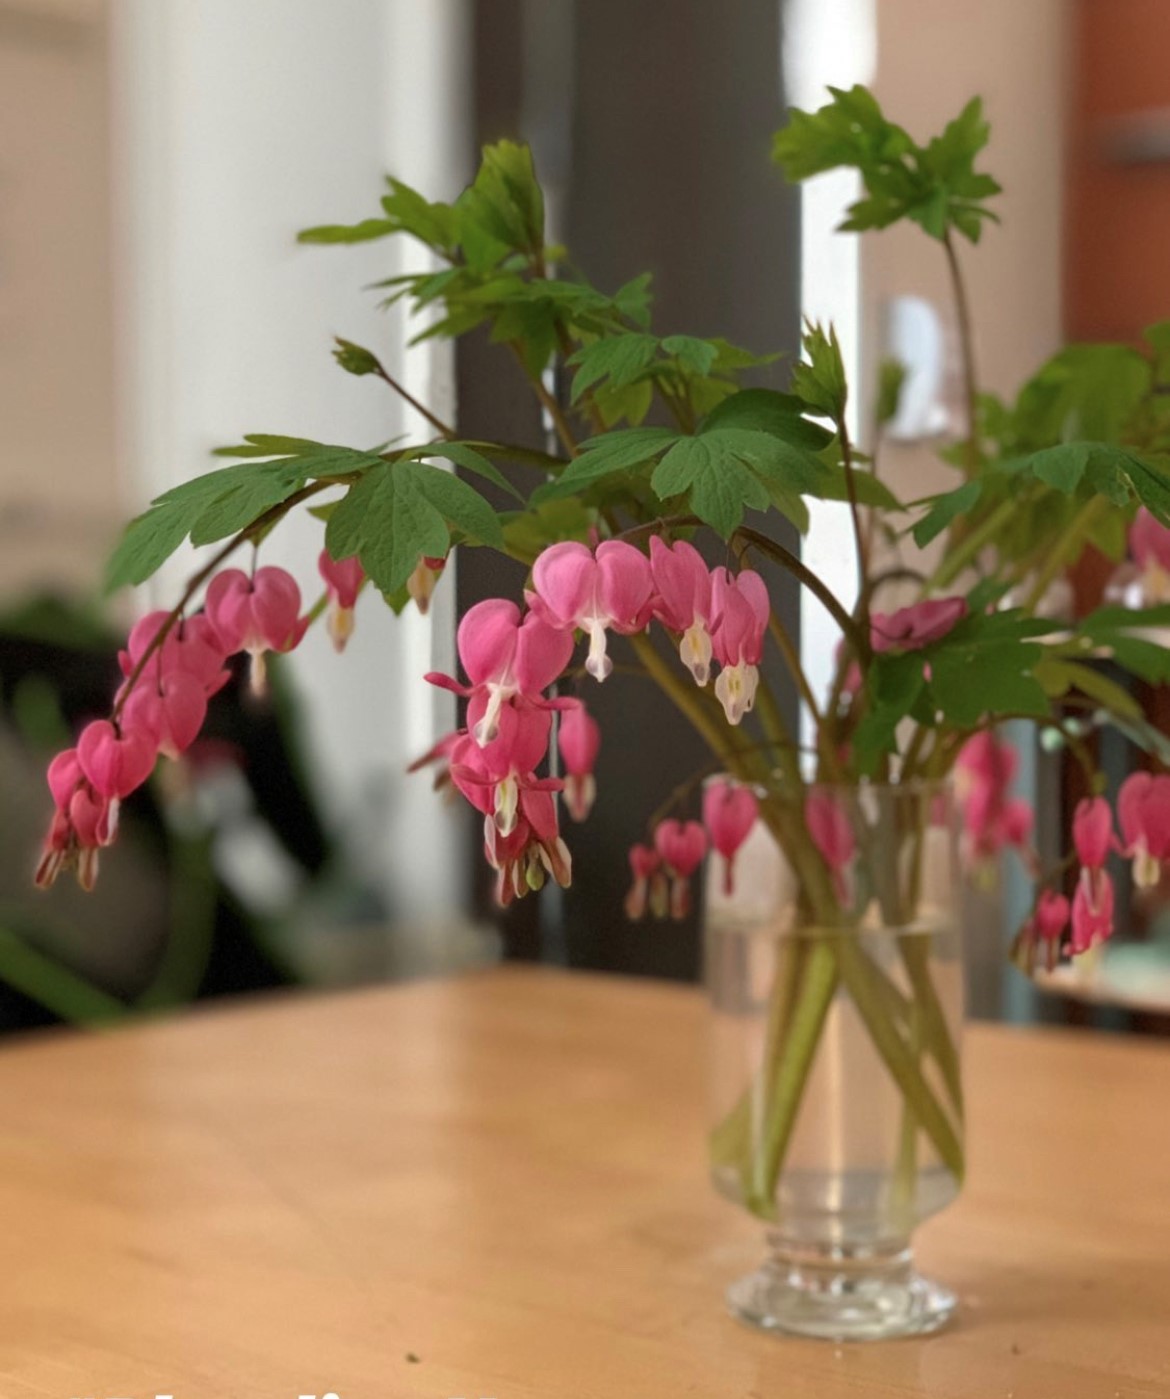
[(156, 160)]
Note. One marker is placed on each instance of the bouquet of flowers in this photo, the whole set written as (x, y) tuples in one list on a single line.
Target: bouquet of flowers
[(664, 447)]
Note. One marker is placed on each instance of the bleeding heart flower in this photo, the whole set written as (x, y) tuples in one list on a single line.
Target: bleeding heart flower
[(1092, 832), (984, 771), (916, 626), (116, 761), (681, 846), (503, 657), (831, 830), (683, 603), (740, 610), (730, 810), (610, 589), (65, 776), (495, 777), (1143, 812), (1092, 911), (1042, 932), (343, 581), (421, 583), (192, 646), (1052, 915), (82, 822), (579, 742), (530, 851), (171, 710), (256, 614), (645, 866)]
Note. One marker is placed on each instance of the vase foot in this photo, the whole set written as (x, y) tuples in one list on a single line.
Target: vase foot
[(841, 1295)]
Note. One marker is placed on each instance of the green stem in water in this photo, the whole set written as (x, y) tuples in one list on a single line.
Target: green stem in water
[(897, 1056)]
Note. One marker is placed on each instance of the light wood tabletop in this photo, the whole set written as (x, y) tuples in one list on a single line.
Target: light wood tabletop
[(495, 1187)]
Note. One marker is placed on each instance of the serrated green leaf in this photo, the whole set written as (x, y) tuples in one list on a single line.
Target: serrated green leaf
[(935, 186), (619, 358), (387, 520), (819, 378), (459, 502), (146, 544), (470, 460), (610, 454), (257, 493), (694, 355), (718, 482)]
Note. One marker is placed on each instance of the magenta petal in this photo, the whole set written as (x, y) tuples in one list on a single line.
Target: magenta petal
[(343, 577), (681, 845), (828, 824), (542, 653), (115, 765), (540, 811), (1131, 801), (486, 639), (64, 775), (624, 584), (682, 581), (276, 607), (579, 740), (729, 813), (228, 608), (564, 577), (184, 705), (1092, 831)]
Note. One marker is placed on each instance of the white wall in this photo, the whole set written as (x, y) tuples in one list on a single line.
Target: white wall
[(238, 124)]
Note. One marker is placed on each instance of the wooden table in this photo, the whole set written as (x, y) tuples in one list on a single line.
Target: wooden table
[(494, 1187)]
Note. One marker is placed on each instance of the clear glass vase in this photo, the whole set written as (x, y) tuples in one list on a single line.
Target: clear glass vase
[(837, 991)]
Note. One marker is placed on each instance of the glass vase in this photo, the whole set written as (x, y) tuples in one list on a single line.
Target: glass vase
[(835, 977)]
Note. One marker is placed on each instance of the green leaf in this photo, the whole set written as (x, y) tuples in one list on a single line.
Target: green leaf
[(389, 522), (504, 202), (1060, 676), (470, 460), (765, 410), (363, 232), (694, 355), (618, 358), (610, 454), (633, 300), (968, 682), (819, 379), (146, 544), (891, 377), (459, 502), (432, 224), (717, 480), (935, 186)]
